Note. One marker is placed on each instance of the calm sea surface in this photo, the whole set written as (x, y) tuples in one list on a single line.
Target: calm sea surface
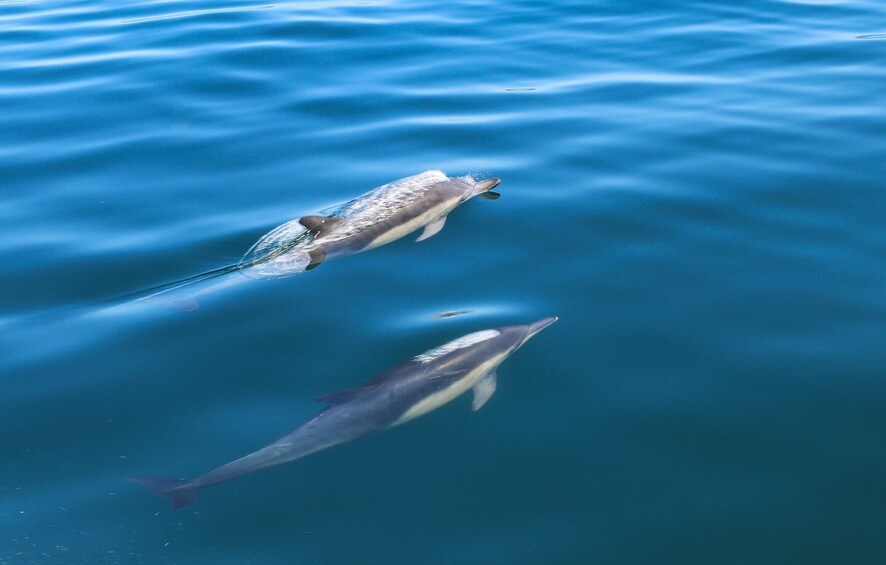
[(697, 189)]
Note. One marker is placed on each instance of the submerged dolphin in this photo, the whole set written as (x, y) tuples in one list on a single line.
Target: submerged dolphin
[(401, 393)]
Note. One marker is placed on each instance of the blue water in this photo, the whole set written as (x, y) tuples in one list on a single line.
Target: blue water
[(697, 189)]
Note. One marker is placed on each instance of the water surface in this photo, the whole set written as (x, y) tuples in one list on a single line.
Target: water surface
[(695, 188)]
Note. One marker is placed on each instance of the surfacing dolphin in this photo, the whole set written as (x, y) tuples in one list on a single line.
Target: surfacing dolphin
[(380, 216), (403, 392)]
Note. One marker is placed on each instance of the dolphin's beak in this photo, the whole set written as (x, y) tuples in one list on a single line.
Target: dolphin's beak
[(486, 185), (536, 327)]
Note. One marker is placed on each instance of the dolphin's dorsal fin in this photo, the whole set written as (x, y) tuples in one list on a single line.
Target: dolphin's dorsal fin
[(432, 229), (483, 391), (318, 225)]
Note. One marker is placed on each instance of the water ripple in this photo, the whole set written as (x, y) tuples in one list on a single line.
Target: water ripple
[(695, 187), (194, 13)]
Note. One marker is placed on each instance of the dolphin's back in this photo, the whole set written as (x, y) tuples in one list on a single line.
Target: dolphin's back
[(382, 220), (362, 219), (381, 203)]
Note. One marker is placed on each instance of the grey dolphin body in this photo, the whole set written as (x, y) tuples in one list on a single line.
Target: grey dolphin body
[(403, 392), (380, 216), (375, 218)]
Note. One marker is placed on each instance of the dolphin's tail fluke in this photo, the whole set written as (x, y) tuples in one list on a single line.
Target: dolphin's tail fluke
[(181, 493)]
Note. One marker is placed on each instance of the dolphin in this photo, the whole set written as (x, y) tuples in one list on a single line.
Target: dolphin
[(380, 216), (403, 392)]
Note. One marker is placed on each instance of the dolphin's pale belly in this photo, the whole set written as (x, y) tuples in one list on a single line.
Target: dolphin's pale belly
[(459, 387), (419, 221)]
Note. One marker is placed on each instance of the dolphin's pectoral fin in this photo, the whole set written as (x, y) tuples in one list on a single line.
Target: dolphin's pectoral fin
[(318, 225), (317, 257), (490, 195), (483, 391), (432, 228)]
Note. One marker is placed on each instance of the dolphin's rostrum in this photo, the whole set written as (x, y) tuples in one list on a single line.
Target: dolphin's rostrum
[(403, 392)]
